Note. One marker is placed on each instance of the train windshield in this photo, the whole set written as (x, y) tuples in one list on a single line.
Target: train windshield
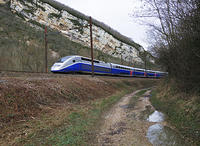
[(63, 59)]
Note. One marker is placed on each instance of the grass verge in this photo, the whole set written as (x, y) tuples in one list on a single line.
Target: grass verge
[(78, 127), (59, 111), (80, 131), (181, 109)]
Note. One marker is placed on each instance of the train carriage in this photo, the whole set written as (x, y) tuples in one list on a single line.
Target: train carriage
[(81, 64), (117, 69), (70, 64)]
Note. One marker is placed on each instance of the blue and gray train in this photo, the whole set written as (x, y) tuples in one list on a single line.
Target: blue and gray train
[(80, 64)]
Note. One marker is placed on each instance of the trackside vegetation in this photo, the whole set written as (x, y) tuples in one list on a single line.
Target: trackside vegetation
[(181, 109), (176, 45), (59, 111), (80, 130)]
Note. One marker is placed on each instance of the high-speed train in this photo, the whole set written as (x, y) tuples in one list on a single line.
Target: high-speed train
[(80, 64)]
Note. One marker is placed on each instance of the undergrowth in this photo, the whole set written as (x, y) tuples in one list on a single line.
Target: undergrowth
[(181, 109), (79, 131), (77, 123), (77, 128)]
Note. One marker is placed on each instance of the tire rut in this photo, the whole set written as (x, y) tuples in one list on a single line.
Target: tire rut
[(123, 124)]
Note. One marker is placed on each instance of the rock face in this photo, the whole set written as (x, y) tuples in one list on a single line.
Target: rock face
[(74, 25), (3, 1)]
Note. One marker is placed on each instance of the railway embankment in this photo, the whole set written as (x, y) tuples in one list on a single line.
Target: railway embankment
[(182, 109), (44, 109)]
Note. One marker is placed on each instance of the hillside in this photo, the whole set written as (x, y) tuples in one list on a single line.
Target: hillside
[(23, 47)]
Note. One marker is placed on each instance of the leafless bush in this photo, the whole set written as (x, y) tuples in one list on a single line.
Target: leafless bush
[(177, 39)]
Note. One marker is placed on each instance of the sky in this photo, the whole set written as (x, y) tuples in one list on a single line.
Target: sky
[(114, 13)]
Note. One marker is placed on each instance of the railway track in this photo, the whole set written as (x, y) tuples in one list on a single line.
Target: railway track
[(53, 75)]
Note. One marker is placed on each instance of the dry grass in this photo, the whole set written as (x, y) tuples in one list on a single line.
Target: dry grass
[(181, 108), (37, 106)]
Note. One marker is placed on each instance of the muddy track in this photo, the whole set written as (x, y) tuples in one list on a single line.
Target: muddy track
[(125, 124)]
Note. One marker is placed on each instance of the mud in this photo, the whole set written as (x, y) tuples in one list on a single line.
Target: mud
[(123, 125), (133, 121)]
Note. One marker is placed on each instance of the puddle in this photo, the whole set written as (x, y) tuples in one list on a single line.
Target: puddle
[(160, 135), (156, 116)]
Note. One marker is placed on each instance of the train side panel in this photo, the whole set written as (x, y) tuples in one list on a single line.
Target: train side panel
[(82, 64)]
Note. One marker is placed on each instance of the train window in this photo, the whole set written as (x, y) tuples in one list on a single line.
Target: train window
[(63, 59), (96, 61), (139, 70), (121, 67), (97, 68), (87, 59)]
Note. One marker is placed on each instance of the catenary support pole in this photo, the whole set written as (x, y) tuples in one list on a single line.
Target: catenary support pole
[(45, 38), (91, 41)]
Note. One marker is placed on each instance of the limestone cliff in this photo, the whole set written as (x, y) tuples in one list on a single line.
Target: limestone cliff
[(72, 24)]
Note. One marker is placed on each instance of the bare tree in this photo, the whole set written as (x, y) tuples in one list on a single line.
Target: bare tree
[(176, 37)]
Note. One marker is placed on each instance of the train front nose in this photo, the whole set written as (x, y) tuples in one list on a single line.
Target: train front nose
[(56, 67)]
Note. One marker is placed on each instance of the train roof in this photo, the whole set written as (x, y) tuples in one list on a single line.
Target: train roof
[(83, 57), (138, 68), (122, 65), (70, 56)]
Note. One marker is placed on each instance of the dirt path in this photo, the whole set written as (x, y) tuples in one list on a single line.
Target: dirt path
[(125, 123)]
